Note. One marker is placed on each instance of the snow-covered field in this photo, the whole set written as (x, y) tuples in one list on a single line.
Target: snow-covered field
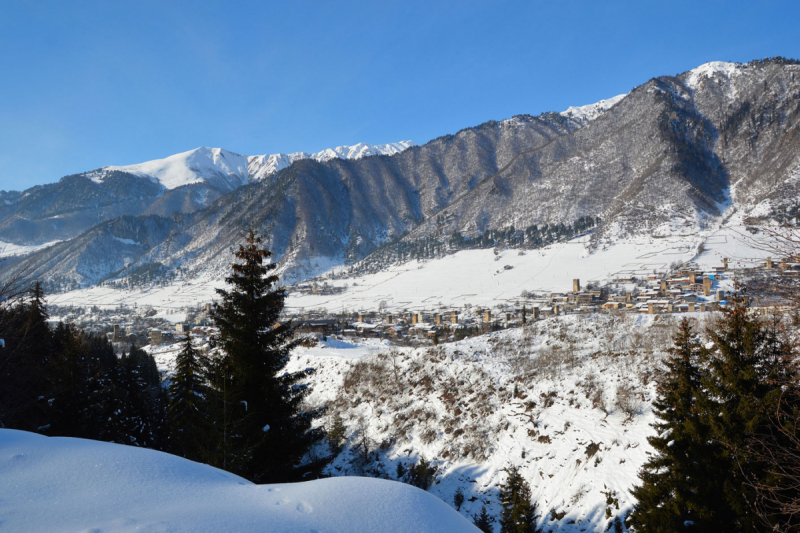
[(477, 277), (9, 249), (63, 484), (481, 277)]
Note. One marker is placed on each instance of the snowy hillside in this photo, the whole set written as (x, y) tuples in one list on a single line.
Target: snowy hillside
[(230, 170), (262, 166), (474, 277), (714, 69), (587, 113), (64, 484), (200, 164), (567, 399)]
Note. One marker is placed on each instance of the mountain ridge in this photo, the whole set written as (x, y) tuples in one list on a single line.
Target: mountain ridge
[(670, 156)]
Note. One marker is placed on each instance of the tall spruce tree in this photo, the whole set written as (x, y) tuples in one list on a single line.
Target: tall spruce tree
[(188, 404), (269, 433), (679, 490), (519, 512), (749, 360), (483, 520)]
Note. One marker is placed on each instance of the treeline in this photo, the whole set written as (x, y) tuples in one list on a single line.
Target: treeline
[(236, 408), (68, 383), (534, 236), (728, 432)]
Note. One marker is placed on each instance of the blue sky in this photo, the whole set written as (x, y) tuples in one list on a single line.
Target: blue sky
[(88, 84)]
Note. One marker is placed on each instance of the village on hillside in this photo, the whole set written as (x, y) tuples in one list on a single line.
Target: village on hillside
[(687, 289)]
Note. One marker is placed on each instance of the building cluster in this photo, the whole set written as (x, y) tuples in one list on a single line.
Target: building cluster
[(315, 287), (687, 289)]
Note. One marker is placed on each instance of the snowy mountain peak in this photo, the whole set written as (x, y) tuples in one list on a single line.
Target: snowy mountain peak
[(229, 170), (713, 69), (200, 164), (261, 166), (588, 113), (363, 150)]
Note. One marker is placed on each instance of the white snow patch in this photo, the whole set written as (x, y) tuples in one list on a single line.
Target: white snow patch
[(8, 249), (125, 241), (587, 113), (713, 69)]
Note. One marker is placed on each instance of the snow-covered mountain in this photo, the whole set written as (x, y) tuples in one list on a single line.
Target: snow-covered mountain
[(180, 183), (678, 155), (262, 166), (587, 113), (200, 164), (230, 170)]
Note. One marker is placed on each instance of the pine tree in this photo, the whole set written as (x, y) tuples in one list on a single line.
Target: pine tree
[(458, 498), (519, 512), (678, 491), (338, 432), (421, 474), (132, 401), (23, 363), (749, 360), (188, 409), (269, 433), (484, 521), (776, 448)]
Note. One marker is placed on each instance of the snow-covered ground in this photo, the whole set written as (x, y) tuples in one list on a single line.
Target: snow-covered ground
[(63, 484), (455, 406), (481, 277), (548, 398), (9, 249), (476, 277)]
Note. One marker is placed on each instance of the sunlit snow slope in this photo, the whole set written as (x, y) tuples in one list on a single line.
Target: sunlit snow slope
[(63, 484), (233, 170)]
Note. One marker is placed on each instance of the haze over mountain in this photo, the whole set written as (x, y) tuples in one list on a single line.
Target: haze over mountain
[(676, 155)]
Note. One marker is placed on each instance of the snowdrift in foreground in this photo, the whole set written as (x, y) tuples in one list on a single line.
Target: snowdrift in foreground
[(63, 484)]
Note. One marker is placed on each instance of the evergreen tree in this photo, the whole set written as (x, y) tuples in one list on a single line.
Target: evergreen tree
[(483, 521), (749, 360), (458, 498), (519, 512), (132, 400), (69, 374), (188, 409), (678, 491), (23, 363), (338, 432), (421, 474), (269, 433)]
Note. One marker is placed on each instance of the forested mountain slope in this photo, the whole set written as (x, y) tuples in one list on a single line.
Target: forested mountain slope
[(676, 155)]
